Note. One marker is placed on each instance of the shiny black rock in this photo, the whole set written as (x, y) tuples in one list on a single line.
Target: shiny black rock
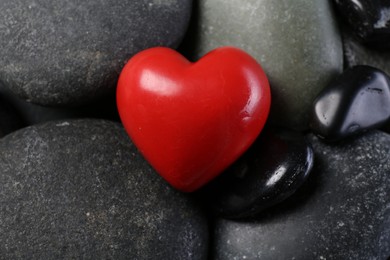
[(356, 101), (368, 19), (272, 169)]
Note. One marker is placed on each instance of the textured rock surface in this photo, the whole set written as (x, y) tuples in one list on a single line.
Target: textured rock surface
[(342, 211), (66, 52), (297, 44), (79, 190), (358, 100), (275, 166)]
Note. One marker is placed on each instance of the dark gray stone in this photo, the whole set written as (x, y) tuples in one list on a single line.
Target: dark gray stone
[(274, 167), (342, 211), (80, 190), (57, 52)]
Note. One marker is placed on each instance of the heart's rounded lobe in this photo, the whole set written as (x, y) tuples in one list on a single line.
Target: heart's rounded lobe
[(192, 120)]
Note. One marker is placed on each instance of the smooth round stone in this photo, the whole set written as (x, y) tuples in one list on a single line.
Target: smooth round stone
[(368, 19), (357, 54), (297, 44), (58, 52), (80, 190), (341, 212), (356, 101), (273, 168), (10, 119)]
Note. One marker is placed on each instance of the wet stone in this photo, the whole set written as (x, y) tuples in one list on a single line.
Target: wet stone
[(80, 190), (341, 212), (275, 166), (355, 102), (70, 52), (355, 53)]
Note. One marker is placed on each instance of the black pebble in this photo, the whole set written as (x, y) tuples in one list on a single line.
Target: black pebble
[(356, 101), (274, 168)]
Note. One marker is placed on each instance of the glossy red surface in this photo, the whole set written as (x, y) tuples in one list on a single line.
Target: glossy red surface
[(192, 120)]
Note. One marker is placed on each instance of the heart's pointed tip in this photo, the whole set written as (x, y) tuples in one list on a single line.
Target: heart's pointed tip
[(182, 188), (186, 189), (185, 181), (181, 184)]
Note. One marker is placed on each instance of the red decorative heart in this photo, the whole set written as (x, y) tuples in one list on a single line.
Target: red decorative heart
[(192, 120)]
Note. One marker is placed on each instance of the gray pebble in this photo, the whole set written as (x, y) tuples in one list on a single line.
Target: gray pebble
[(56, 52), (80, 190)]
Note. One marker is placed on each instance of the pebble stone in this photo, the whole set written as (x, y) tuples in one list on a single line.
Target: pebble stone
[(341, 212), (358, 100), (80, 190), (355, 53), (297, 43), (275, 166), (58, 52)]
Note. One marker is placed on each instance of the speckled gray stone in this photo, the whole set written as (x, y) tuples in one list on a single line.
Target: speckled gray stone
[(296, 42), (342, 212), (69, 52), (79, 190)]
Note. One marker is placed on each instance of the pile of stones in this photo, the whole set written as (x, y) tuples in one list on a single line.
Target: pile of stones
[(314, 185)]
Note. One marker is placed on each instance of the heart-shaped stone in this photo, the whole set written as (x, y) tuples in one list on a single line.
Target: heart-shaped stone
[(192, 120)]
